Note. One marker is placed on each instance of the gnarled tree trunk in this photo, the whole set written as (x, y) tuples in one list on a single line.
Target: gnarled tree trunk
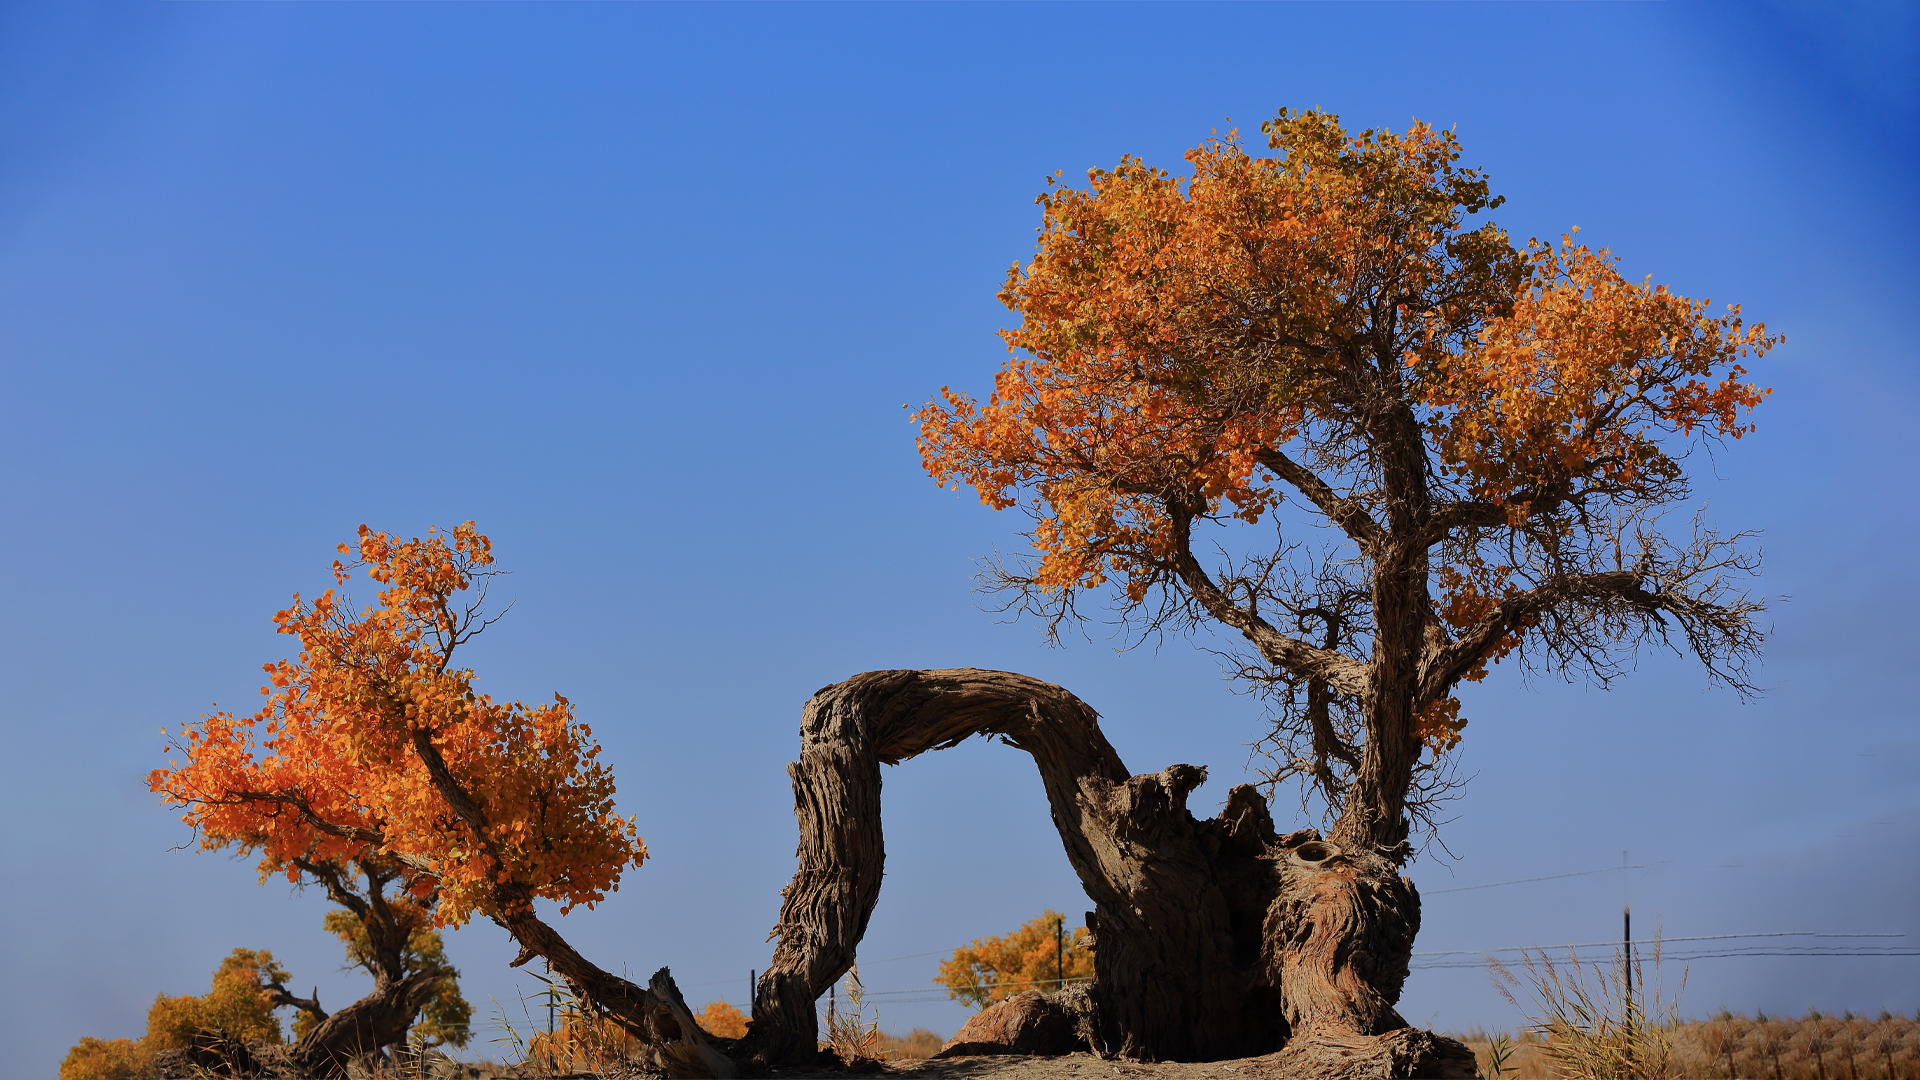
[(362, 1028), (1213, 938)]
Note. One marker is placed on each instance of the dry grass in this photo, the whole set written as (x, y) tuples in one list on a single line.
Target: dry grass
[(1813, 1047), (915, 1045), (1597, 1021)]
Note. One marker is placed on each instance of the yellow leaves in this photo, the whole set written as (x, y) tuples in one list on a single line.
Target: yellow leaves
[(106, 1059), (722, 1019), (238, 1003)]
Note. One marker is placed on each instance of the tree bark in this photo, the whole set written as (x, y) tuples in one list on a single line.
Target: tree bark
[(1212, 938), (655, 1014), (362, 1028)]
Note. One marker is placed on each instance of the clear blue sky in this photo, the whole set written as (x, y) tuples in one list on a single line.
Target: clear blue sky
[(643, 289)]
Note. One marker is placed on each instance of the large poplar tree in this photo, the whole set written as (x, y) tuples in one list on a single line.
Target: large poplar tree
[(1487, 442)]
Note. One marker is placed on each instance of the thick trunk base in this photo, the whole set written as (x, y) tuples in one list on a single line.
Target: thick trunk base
[(362, 1028), (1213, 939), (1408, 1052)]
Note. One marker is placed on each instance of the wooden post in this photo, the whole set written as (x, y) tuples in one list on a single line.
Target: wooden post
[(1060, 955), (1626, 931)]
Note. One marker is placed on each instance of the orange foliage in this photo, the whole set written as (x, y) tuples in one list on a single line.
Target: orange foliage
[(722, 1019), (329, 768), (237, 1006), (1174, 332), (1031, 958), (105, 1059)]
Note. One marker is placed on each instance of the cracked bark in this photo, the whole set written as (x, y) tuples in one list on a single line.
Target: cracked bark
[(362, 1028), (1213, 938)]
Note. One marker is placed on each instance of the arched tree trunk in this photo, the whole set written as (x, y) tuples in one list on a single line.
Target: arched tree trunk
[(1213, 938), (362, 1028)]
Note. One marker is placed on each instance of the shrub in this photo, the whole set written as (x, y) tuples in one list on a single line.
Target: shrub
[(1038, 956), (105, 1059), (722, 1019), (237, 1006)]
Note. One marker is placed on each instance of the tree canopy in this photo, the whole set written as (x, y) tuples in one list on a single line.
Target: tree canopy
[(1467, 447), (339, 765)]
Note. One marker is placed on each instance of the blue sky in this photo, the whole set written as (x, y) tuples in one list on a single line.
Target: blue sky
[(643, 289)]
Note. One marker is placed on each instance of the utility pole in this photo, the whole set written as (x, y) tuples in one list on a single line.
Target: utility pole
[(1626, 960), (1060, 954), (1626, 931)]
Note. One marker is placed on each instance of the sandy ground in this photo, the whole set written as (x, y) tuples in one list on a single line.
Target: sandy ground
[(1070, 1067), (1073, 1067)]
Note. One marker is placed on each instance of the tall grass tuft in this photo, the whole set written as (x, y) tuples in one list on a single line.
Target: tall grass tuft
[(1594, 1026), (849, 1033), (1761, 1047)]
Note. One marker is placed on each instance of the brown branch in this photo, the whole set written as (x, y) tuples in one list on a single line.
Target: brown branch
[(1343, 673), (337, 889), (283, 998), (371, 837), (1715, 630), (653, 1013), (1347, 513), (1440, 672)]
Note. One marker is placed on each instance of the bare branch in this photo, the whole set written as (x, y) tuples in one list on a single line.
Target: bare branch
[(1350, 514), (1343, 673), (1577, 617)]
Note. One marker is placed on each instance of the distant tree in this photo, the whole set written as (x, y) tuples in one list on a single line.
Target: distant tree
[(1041, 955), (105, 1059), (1466, 451), (235, 1011), (375, 756), (722, 1019), (240, 1005)]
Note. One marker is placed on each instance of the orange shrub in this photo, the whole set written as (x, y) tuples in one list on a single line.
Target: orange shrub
[(722, 1019), (1031, 958)]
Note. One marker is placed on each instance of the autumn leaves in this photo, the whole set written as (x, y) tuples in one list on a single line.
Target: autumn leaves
[(331, 768)]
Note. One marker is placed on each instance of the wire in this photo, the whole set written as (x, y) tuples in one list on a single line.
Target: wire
[(1435, 965), (868, 963), (982, 986), (909, 956), (1663, 940), (1549, 877), (921, 995)]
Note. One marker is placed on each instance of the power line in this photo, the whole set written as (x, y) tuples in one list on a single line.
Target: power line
[(866, 963), (909, 956), (1548, 877), (983, 986), (1697, 937), (1485, 955), (1437, 965), (1455, 958)]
